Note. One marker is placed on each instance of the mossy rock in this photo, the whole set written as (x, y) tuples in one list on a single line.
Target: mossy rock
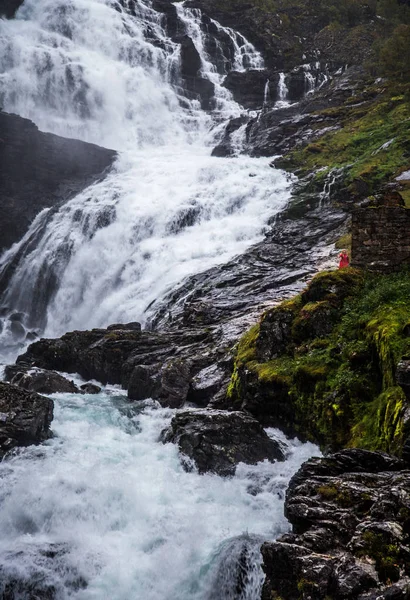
[(323, 366), (333, 286)]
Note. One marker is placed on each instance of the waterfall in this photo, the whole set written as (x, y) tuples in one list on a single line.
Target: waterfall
[(266, 94), (103, 510), (282, 92), (104, 73), (315, 76)]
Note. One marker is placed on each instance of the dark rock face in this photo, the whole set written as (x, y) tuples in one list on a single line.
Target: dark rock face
[(8, 8), (217, 441), (43, 382), (169, 385), (403, 376), (350, 518), (303, 37), (40, 170), (190, 59), (278, 131), (248, 87), (25, 418)]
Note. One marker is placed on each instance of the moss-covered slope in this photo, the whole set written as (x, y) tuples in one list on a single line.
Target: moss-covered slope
[(323, 365), (372, 142)]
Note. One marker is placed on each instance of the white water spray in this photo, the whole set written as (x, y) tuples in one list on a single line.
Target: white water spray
[(106, 506), (168, 209)]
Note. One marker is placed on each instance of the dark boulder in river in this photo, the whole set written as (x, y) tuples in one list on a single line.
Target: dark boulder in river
[(40, 381), (217, 441), (25, 418)]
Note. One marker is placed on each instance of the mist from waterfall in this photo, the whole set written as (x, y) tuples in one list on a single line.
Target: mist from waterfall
[(93, 70)]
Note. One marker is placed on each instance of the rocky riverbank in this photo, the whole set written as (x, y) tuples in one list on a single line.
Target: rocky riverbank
[(350, 531)]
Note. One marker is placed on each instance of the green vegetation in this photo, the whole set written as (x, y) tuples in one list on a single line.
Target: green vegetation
[(372, 145), (387, 556), (346, 333)]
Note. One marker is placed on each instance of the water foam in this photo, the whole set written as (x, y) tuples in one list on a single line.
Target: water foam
[(117, 510), (168, 209)]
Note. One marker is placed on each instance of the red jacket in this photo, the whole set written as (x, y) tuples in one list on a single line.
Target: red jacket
[(344, 260)]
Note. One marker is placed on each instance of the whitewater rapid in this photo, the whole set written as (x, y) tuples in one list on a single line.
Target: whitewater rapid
[(106, 508), (96, 71)]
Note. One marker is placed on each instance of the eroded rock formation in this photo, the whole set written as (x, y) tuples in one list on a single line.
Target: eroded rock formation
[(350, 515)]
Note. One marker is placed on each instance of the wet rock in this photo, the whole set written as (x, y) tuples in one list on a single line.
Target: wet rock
[(168, 384), (39, 170), (205, 384), (31, 336), (8, 8), (171, 19), (348, 512), (190, 59), (19, 316), (248, 87), (175, 379), (202, 89), (134, 326), (90, 388), (143, 383), (44, 382), (217, 441), (25, 417), (17, 330), (226, 147)]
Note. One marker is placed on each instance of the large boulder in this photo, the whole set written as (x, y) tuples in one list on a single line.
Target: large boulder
[(25, 417), (217, 441), (44, 382), (350, 514), (168, 384)]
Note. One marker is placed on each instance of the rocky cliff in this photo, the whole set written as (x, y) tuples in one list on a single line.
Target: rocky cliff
[(8, 8), (40, 170)]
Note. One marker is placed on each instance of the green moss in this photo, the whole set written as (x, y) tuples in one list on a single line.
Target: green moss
[(329, 492), (340, 387), (387, 556), (381, 425), (247, 345), (344, 242), (372, 144)]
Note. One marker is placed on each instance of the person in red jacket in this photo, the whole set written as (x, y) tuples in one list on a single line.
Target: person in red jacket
[(344, 259)]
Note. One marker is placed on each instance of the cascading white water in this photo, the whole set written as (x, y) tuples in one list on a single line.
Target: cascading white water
[(168, 209), (283, 92), (103, 510), (105, 505)]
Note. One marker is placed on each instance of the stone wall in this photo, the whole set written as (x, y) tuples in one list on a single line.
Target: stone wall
[(381, 238), (39, 170)]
